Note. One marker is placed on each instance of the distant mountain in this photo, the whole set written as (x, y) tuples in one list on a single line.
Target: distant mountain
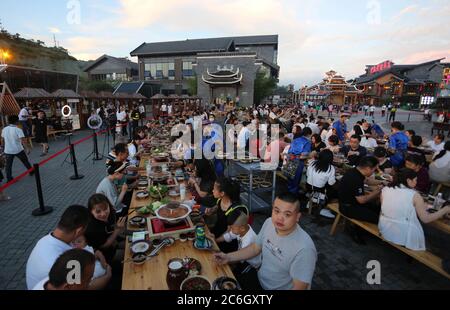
[(31, 53)]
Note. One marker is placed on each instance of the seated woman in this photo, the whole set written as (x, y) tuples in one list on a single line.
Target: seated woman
[(316, 143), (439, 170), (414, 162), (202, 183), (102, 230), (227, 193), (321, 176), (333, 144), (401, 209)]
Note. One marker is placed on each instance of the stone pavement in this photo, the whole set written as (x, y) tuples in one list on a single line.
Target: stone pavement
[(341, 264)]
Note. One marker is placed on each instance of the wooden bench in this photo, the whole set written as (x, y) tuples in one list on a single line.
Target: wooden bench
[(425, 257)]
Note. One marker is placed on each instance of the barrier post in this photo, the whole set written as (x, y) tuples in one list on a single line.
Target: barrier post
[(42, 210), (76, 176)]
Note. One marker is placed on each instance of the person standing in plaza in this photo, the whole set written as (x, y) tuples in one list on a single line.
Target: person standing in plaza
[(383, 110), (142, 113), (24, 119), (392, 115), (15, 145), (163, 111), (372, 111), (135, 116), (122, 120), (40, 131)]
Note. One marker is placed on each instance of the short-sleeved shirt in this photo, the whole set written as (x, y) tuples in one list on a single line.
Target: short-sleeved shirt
[(300, 146), (98, 232), (44, 254), (23, 114), (398, 142), (285, 258), (341, 129), (351, 186), (354, 159), (13, 143)]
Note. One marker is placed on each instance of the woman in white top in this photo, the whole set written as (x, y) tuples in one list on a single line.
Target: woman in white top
[(321, 176), (439, 169), (401, 209)]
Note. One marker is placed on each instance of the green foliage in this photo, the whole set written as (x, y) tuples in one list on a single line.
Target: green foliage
[(192, 86), (96, 86), (264, 87)]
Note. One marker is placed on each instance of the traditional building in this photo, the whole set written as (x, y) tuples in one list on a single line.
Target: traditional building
[(333, 89), (173, 65), (109, 68), (413, 84)]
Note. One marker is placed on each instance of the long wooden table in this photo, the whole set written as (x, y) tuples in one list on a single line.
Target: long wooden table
[(152, 274)]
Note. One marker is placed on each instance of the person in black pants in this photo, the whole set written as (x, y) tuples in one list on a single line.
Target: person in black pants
[(15, 144)]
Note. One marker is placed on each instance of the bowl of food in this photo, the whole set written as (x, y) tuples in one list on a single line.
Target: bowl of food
[(196, 217), (140, 247), (137, 220), (142, 183), (161, 157), (195, 283), (142, 195), (139, 258), (173, 213), (158, 191), (225, 284), (183, 237)]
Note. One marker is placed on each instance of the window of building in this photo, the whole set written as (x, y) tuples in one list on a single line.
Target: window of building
[(187, 69), (159, 71)]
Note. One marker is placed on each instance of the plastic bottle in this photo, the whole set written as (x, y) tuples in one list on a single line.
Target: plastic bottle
[(182, 192), (438, 202), (149, 168)]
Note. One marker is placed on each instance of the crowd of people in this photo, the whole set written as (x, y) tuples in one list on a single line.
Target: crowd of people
[(282, 255)]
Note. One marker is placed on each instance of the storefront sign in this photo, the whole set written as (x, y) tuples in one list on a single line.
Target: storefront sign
[(381, 67)]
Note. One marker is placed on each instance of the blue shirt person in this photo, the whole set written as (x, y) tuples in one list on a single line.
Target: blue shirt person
[(398, 143), (299, 150), (341, 127)]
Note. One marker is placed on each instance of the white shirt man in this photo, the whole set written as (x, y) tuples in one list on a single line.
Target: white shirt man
[(24, 114), (169, 109), (372, 109), (164, 108), (370, 143), (121, 116), (41, 259), (383, 108), (243, 137), (314, 127), (141, 109), (13, 139)]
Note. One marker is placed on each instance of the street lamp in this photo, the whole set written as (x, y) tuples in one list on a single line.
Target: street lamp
[(5, 55)]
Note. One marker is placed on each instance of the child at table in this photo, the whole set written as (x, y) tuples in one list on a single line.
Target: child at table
[(240, 230), (102, 271)]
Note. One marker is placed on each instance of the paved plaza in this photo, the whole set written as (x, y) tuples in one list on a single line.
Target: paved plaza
[(341, 264)]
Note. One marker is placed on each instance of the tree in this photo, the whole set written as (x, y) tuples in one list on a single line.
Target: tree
[(192, 86), (96, 86), (264, 87)]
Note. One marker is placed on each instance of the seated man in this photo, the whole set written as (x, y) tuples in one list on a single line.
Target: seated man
[(354, 151), (415, 162), (287, 251), (108, 187), (58, 276), (72, 224), (413, 147), (353, 201), (437, 144)]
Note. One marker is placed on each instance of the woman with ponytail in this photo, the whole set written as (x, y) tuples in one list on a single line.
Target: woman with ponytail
[(439, 169)]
